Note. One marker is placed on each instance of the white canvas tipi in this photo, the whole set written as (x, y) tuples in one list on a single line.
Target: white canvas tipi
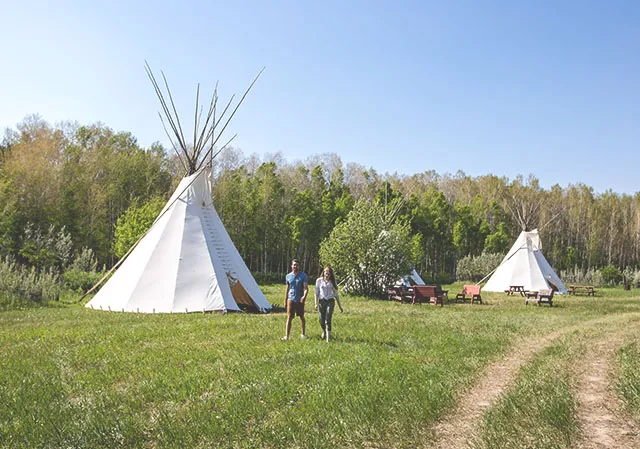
[(410, 279), (186, 262), (525, 265)]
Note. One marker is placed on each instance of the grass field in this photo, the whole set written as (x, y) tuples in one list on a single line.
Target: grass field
[(72, 377)]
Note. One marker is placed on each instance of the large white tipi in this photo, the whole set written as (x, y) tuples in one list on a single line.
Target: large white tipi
[(186, 262), (525, 265)]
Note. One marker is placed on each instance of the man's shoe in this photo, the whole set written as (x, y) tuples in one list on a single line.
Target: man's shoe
[(285, 338), (303, 337)]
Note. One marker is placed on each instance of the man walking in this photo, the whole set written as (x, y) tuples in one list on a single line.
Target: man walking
[(294, 298)]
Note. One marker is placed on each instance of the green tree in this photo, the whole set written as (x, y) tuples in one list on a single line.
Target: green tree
[(497, 242), (369, 249), (136, 220)]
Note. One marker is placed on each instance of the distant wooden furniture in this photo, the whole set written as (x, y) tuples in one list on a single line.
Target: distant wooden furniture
[(515, 289), (400, 294), (470, 292), (530, 294), (428, 293), (589, 290), (542, 296)]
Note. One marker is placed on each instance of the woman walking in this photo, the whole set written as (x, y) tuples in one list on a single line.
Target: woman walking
[(326, 296)]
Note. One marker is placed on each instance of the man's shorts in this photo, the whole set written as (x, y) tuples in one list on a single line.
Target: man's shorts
[(295, 308)]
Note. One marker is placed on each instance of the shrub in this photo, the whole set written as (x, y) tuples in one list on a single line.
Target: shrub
[(611, 275), (47, 250), (79, 280), (472, 268), (369, 250), (21, 286), (636, 280), (134, 222), (85, 260)]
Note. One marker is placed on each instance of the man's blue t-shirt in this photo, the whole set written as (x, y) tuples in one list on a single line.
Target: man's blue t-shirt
[(296, 285)]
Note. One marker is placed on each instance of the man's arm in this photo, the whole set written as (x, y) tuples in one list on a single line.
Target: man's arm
[(286, 295), (306, 292)]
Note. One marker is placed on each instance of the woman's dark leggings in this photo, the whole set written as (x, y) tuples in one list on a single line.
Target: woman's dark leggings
[(325, 307)]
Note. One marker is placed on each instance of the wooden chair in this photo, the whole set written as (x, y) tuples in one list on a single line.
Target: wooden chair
[(472, 291), (427, 293)]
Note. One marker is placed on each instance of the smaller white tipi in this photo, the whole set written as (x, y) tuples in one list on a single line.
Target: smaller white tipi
[(525, 265), (410, 279), (186, 262)]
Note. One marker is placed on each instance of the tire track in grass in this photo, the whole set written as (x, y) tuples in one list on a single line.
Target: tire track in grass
[(456, 430), (600, 415)]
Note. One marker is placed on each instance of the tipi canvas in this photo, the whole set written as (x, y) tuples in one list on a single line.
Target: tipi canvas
[(525, 265), (186, 262)]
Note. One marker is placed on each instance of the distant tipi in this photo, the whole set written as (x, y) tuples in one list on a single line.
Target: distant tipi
[(186, 262), (525, 265)]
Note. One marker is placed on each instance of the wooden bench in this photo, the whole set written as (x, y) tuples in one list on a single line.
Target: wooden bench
[(530, 294), (400, 294), (543, 296), (589, 290), (427, 293), (470, 292)]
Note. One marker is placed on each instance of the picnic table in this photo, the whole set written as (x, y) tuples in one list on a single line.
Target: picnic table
[(516, 289), (590, 290), (530, 294)]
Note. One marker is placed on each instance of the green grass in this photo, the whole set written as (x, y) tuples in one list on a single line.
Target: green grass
[(72, 377), (540, 410), (628, 385)]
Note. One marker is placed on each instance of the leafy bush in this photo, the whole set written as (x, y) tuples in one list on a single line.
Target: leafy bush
[(79, 280), (369, 250), (472, 268), (52, 249), (20, 286), (136, 220), (85, 260), (636, 280), (611, 275)]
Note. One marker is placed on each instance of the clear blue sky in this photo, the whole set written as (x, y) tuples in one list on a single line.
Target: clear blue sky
[(550, 88)]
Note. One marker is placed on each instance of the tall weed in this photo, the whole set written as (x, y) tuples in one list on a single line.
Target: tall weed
[(21, 286)]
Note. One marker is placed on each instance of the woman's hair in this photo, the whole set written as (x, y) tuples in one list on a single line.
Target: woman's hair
[(332, 277)]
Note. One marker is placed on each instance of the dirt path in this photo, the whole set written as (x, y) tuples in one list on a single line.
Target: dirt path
[(457, 429), (602, 423)]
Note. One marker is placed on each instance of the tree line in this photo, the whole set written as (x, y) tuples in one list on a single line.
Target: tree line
[(96, 188)]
